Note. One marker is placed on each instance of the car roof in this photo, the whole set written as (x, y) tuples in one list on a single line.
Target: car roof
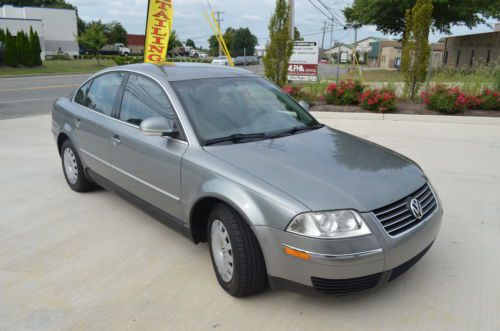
[(184, 71)]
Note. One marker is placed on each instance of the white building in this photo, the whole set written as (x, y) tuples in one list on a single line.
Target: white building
[(56, 28)]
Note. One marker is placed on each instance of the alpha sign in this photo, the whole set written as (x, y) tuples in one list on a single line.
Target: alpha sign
[(303, 64)]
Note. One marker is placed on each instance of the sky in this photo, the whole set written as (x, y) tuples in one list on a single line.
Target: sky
[(189, 20)]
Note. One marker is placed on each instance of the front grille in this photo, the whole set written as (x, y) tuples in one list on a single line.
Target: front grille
[(397, 217), (340, 287), (401, 269)]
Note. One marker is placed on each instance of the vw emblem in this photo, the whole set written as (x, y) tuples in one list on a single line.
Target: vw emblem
[(416, 209)]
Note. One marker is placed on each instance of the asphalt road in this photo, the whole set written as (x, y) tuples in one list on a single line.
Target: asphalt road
[(93, 261), (27, 96)]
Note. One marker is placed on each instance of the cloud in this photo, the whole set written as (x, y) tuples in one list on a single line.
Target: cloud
[(252, 17)]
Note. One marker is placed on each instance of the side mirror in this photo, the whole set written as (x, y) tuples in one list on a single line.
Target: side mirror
[(157, 126), (304, 105)]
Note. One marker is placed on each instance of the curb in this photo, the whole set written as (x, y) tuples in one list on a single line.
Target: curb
[(495, 121)]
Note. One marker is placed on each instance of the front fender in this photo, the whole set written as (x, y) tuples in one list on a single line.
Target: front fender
[(259, 203)]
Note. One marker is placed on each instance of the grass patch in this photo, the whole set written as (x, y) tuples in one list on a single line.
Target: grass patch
[(59, 66)]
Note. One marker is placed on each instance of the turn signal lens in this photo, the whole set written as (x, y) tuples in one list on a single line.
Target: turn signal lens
[(298, 254)]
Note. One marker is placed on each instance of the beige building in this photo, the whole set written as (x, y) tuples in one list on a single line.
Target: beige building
[(390, 52), (473, 50)]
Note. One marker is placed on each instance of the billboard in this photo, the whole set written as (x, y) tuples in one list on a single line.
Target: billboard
[(303, 65)]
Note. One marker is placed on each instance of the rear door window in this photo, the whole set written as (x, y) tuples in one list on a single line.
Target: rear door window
[(102, 93)]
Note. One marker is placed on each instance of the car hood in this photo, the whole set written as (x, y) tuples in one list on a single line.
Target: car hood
[(327, 169)]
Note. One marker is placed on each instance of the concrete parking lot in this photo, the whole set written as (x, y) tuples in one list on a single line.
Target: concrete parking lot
[(94, 261)]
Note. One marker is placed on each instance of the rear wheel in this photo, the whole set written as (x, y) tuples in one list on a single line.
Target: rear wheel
[(73, 169), (236, 255)]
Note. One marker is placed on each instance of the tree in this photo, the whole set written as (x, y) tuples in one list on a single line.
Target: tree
[(11, 58), (36, 48), (416, 48), (243, 42), (2, 35), (389, 15), (115, 33), (279, 49), (296, 34), (190, 43), (214, 43), (93, 39), (173, 41)]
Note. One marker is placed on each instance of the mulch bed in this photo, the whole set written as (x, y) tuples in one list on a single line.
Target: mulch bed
[(404, 107)]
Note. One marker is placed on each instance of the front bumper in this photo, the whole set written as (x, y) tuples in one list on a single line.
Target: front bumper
[(369, 260)]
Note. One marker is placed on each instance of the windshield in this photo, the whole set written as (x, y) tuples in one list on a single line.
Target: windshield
[(248, 107)]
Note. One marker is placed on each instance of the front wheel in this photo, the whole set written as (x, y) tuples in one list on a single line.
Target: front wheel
[(236, 255)]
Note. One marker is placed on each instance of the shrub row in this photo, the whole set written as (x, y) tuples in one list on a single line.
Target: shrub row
[(452, 99), (349, 93)]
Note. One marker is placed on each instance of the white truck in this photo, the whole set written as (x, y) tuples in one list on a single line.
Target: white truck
[(116, 49)]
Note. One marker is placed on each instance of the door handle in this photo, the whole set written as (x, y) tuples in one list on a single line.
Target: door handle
[(78, 122), (116, 140)]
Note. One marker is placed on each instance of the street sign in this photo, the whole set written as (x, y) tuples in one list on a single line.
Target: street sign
[(303, 65)]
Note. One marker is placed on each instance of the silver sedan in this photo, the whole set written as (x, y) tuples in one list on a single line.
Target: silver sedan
[(226, 157)]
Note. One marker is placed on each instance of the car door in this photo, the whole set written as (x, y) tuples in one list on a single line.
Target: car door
[(95, 102), (149, 167)]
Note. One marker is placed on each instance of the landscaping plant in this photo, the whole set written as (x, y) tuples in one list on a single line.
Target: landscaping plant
[(345, 93), (490, 100), (299, 93), (443, 99), (416, 48), (379, 100)]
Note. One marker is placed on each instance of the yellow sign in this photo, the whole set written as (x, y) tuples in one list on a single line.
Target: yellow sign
[(158, 27)]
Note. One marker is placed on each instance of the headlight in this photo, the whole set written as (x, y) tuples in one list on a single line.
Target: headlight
[(329, 224)]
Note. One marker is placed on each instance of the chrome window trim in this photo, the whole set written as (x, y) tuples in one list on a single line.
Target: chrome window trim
[(139, 73), (174, 197), (338, 256)]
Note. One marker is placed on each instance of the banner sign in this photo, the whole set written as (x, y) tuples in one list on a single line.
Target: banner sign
[(303, 64), (158, 27)]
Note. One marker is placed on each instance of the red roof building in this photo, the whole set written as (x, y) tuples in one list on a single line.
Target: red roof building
[(136, 43)]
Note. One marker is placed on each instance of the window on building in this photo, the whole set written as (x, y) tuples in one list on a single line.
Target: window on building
[(471, 62), (488, 56), (458, 59)]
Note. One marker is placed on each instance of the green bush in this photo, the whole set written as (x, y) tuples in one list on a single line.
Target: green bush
[(446, 100), (490, 100), (345, 93), (379, 100)]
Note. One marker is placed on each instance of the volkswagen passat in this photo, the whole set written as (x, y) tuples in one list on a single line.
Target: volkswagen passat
[(225, 157)]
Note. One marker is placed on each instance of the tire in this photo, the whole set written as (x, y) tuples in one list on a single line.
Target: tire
[(126, 54), (249, 275), (73, 169)]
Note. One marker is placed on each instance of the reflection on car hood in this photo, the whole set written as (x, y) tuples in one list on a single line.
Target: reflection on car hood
[(327, 169)]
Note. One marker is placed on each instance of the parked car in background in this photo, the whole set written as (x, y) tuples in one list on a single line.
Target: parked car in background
[(224, 156), (116, 49), (221, 60)]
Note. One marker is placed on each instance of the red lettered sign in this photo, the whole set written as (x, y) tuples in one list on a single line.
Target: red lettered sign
[(303, 72)]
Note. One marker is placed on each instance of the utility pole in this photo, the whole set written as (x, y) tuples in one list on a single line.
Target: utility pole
[(331, 39), (292, 19), (219, 19), (323, 39), (355, 55)]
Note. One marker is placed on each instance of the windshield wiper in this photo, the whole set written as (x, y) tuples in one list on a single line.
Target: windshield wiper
[(294, 130), (235, 138)]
